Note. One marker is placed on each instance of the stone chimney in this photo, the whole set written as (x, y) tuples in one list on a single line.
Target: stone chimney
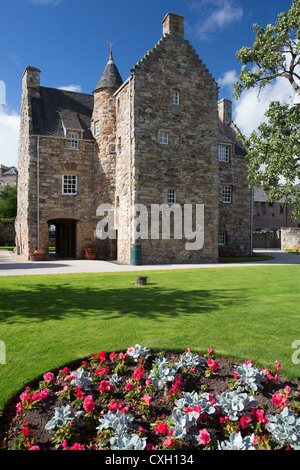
[(173, 24), (225, 114), (31, 81)]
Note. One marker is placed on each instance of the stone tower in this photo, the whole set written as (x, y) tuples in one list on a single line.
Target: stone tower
[(104, 128)]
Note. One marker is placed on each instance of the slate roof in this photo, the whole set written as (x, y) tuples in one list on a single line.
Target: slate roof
[(111, 77), (56, 110), (227, 134)]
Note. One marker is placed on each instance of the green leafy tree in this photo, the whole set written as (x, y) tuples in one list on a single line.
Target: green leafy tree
[(273, 149), (8, 202)]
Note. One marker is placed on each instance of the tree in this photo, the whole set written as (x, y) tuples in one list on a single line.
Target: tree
[(8, 202), (275, 53), (274, 150)]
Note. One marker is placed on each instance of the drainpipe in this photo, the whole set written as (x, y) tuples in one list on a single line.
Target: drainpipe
[(38, 191), (130, 171)]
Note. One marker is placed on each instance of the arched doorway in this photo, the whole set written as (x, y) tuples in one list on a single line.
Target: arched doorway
[(65, 237)]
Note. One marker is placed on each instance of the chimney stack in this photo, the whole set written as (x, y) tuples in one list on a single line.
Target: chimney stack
[(173, 25), (31, 81), (225, 113)]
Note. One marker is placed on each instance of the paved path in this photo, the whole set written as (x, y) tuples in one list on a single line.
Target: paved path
[(9, 266)]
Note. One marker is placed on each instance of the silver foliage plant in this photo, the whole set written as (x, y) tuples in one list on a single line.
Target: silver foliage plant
[(285, 428), (233, 404), (250, 378), (237, 442)]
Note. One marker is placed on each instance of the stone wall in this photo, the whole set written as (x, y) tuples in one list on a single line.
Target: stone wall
[(189, 162), (290, 238), (234, 218), (125, 170)]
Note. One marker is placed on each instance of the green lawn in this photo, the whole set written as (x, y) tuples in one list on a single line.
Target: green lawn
[(242, 312)]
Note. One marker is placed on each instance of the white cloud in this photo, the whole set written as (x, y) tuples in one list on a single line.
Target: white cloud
[(228, 79), (249, 110), (71, 87), (9, 137), (215, 15)]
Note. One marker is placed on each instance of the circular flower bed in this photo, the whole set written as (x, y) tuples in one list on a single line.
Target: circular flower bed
[(142, 400)]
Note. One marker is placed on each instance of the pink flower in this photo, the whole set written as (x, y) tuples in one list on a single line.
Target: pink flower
[(169, 442), (114, 406), (148, 382), (210, 351), (147, 399), (128, 386), (112, 356), (77, 446), (138, 373), (102, 371), (279, 400), (34, 448), (245, 421), (260, 415), (248, 362), (204, 436), (161, 428), (278, 366), (48, 377), (213, 365), (106, 386), (88, 404), (287, 390), (43, 394), (149, 447)]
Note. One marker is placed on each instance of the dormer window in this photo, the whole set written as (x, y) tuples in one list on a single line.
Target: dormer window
[(73, 138), (176, 97)]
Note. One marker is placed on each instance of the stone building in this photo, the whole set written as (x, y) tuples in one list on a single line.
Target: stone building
[(8, 176), (153, 159), (271, 216)]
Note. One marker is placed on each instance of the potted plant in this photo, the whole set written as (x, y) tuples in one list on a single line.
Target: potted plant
[(89, 253), (37, 255)]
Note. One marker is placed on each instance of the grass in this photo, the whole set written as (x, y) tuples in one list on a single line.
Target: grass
[(242, 312)]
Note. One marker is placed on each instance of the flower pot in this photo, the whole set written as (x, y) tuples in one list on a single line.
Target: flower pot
[(38, 257), (90, 256)]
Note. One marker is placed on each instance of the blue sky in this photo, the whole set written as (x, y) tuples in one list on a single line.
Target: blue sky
[(68, 40)]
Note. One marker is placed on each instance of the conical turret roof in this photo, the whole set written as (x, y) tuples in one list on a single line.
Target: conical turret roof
[(111, 77)]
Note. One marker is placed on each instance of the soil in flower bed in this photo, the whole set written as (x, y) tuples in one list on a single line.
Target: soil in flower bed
[(34, 416)]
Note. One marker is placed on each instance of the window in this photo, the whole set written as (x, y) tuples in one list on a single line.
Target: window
[(69, 184), (171, 196), (96, 128), (112, 148), (111, 102), (176, 97), (73, 140), (224, 152), (226, 194), (164, 138), (222, 238)]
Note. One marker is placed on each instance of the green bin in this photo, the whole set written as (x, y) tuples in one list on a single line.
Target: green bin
[(136, 254)]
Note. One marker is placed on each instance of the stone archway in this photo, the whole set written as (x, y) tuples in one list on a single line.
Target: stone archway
[(65, 237)]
